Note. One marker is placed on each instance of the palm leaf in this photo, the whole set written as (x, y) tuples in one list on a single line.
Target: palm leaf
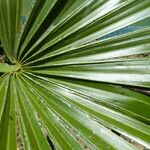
[(72, 77)]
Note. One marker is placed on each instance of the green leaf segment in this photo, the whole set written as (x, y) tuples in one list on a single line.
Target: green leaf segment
[(69, 90)]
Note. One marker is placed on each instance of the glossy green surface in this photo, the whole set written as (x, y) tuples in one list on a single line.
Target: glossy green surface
[(65, 90)]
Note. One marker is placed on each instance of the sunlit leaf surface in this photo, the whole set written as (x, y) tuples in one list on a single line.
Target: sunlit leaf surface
[(70, 72)]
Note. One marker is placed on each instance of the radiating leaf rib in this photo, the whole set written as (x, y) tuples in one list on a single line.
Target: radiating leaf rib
[(134, 72), (4, 84), (8, 122), (34, 133), (24, 10), (76, 8), (82, 95), (43, 13), (95, 110), (106, 24), (126, 45), (28, 14), (93, 6), (114, 97), (12, 142), (69, 73), (52, 122), (4, 26), (17, 27), (75, 117), (11, 25), (22, 133)]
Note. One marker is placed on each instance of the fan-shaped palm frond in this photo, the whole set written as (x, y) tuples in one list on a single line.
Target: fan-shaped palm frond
[(71, 77)]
